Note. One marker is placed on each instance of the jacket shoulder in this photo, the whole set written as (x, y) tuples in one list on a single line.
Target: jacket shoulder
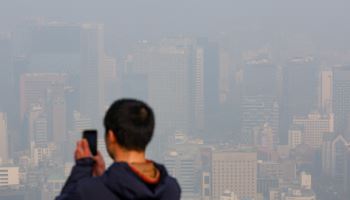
[(94, 188), (172, 183)]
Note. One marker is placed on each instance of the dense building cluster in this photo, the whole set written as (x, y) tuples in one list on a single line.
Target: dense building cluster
[(228, 127)]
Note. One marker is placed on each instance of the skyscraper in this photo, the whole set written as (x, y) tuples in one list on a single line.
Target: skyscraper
[(209, 93), (335, 151), (236, 172), (341, 98), (165, 66), (258, 111), (51, 46), (46, 91), (299, 94), (260, 100), (198, 102), (6, 75), (74, 49), (183, 163), (58, 113), (326, 91), (3, 138), (111, 81), (38, 126), (40, 129), (35, 89), (91, 72)]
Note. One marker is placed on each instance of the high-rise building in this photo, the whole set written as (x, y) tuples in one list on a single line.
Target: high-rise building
[(326, 91), (6, 75), (40, 130), (36, 88), (81, 122), (260, 99), (225, 79), (315, 126), (264, 137), (341, 98), (299, 94), (183, 163), (335, 151), (209, 61), (43, 109), (37, 126), (256, 112), (206, 185), (74, 49), (91, 72), (236, 172), (58, 113), (3, 139), (165, 66), (269, 174), (134, 80), (295, 136), (260, 77), (198, 102), (111, 81), (51, 47)]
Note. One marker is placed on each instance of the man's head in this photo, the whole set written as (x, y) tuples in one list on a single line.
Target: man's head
[(129, 125)]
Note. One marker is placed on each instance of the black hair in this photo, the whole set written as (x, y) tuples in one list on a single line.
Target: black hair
[(132, 121)]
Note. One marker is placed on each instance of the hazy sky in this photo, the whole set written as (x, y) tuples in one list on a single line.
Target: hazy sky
[(324, 21), (180, 14)]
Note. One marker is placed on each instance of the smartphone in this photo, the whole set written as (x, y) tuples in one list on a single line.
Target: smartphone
[(91, 137)]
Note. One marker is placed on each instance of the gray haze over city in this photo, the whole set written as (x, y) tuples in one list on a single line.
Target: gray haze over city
[(252, 98)]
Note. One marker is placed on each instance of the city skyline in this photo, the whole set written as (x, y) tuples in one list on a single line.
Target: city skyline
[(247, 106)]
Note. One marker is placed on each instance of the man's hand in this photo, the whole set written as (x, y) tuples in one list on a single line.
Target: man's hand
[(82, 150), (99, 166)]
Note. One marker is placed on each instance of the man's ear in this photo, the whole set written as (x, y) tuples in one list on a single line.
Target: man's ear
[(111, 137)]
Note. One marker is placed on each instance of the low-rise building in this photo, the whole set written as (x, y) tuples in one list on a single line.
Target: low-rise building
[(9, 176)]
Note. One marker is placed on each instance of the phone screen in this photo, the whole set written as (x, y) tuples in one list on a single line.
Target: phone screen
[(91, 137)]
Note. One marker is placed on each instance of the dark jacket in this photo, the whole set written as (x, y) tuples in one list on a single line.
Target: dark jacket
[(118, 182)]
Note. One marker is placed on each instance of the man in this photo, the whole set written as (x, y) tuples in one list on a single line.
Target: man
[(129, 126)]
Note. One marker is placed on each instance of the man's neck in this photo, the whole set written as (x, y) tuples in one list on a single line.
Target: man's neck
[(130, 157)]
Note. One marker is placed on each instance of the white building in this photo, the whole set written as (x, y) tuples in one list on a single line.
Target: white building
[(235, 171), (295, 136), (305, 180), (42, 153), (315, 126), (9, 176)]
